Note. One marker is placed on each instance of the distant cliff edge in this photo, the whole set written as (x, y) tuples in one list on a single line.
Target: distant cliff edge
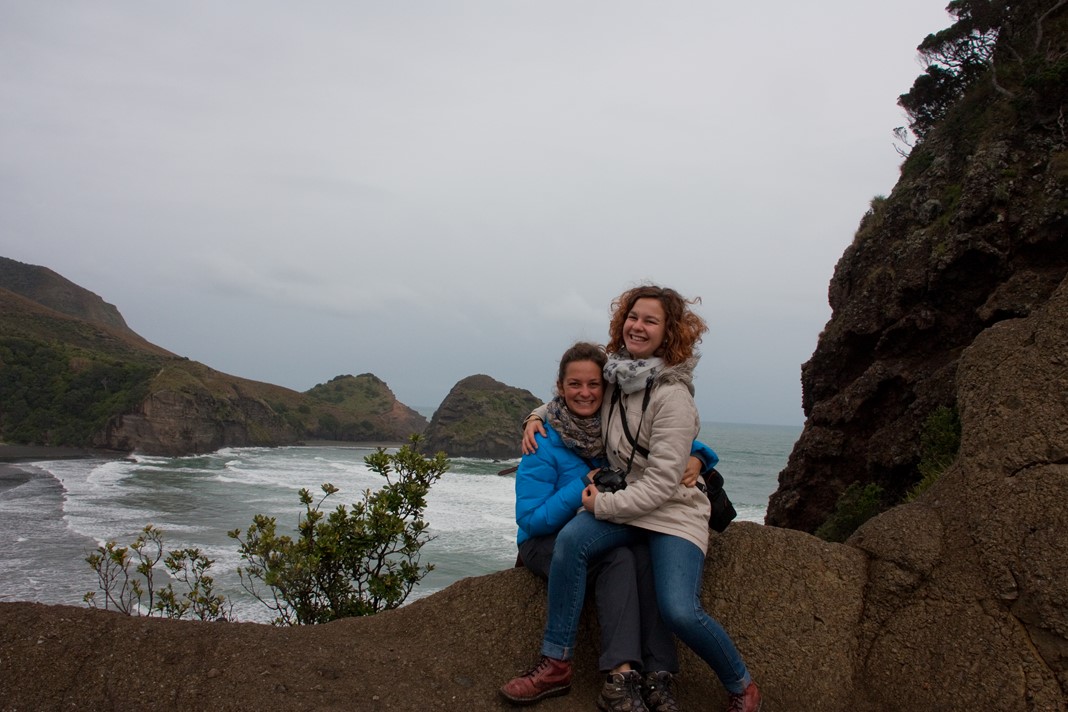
[(72, 373)]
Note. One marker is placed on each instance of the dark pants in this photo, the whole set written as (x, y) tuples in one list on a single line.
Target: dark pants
[(622, 581)]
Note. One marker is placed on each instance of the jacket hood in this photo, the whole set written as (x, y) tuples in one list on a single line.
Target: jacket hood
[(679, 373)]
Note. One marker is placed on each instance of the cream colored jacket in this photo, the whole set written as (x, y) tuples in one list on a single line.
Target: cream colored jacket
[(654, 499)]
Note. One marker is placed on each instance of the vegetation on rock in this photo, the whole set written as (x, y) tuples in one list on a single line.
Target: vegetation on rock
[(54, 393), (858, 504), (939, 444)]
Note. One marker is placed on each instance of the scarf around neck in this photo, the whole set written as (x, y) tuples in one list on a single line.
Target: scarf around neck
[(583, 435), (631, 374)]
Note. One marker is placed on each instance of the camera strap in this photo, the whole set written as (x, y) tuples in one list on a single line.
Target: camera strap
[(618, 401)]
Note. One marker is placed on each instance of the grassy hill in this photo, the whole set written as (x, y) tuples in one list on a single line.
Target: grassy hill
[(72, 373)]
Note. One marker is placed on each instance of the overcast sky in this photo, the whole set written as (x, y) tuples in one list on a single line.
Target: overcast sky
[(430, 190)]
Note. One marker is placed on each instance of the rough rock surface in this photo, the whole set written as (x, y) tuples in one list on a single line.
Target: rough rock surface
[(969, 584), (481, 417), (183, 421), (973, 233), (956, 601)]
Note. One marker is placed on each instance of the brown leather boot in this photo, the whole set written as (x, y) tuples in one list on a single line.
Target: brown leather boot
[(550, 677), (747, 701)]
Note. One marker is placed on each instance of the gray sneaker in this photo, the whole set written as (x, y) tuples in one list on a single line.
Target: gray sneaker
[(621, 692), (657, 692)]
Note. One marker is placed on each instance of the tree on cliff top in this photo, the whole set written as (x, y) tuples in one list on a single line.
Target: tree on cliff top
[(955, 58), (988, 36)]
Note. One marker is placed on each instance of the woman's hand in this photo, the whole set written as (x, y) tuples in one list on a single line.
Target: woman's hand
[(530, 428), (589, 499), (693, 469)]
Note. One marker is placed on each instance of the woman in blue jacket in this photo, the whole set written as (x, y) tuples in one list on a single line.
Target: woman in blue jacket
[(549, 486)]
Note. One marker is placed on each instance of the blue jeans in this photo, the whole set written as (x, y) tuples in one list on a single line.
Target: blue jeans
[(678, 566)]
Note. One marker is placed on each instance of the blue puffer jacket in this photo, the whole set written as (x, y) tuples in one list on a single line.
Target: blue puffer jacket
[(549, 484)]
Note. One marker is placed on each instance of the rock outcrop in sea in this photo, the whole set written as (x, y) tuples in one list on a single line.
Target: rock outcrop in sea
[(480, 417)]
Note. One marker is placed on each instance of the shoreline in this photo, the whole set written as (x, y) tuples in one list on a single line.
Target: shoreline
[(361, 444), (30, 453), (13, 454)]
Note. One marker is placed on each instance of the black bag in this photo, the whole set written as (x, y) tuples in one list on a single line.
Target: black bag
[(723, 512)]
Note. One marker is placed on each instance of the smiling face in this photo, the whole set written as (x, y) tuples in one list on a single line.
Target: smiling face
[(643, 329), (582, 388)]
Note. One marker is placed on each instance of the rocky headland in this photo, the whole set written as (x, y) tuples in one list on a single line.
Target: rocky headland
[(480, 417)]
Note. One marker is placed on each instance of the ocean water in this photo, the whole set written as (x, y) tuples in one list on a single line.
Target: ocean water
[(52, 521)]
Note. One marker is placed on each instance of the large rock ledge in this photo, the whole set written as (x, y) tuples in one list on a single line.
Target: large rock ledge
[(957, 601)]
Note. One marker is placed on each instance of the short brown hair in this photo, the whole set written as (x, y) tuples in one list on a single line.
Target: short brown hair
[(682, 330)]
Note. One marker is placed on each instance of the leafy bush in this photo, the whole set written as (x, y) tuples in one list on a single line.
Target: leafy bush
[(348, 562), (124, 591), (858, 504)]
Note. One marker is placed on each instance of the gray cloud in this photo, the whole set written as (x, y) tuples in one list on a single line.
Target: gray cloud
[(427, 190)]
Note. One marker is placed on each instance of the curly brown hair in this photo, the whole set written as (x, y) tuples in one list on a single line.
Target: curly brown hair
[(682, 328)]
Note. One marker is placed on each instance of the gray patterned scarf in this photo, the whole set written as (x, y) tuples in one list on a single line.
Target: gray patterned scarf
[(583, 435), (630, 374)]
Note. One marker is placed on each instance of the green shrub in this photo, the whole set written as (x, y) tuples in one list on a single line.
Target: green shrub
[(939, 444), (858, 504), (350, 562), (125, 590)]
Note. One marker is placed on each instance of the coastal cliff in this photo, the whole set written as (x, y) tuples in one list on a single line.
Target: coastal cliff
[(73, 373), (973, 234), (954, 601)]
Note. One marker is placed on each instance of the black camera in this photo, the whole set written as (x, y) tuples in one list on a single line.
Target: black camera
[(610, 479)]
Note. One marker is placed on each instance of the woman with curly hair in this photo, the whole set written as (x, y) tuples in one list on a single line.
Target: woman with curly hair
[(649, 422)]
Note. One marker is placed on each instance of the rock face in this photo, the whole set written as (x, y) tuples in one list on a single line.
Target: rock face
[(968, 583), (192, 409), (195, 418), (973, 234), (480, 417)]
